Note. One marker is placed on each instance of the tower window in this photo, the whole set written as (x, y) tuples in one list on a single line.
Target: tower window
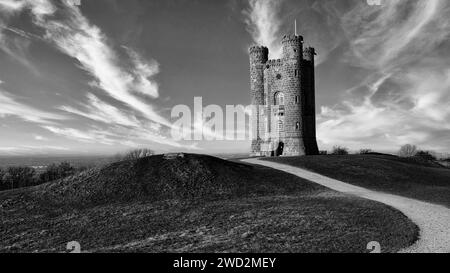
[(297, 99), (280, 126), (296, 72), (297, 126), (279, 98)]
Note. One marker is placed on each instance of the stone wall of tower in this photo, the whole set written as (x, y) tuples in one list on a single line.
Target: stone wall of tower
[(292, 75), (259, 55), (273, 75), (292, 61), (309, 103)]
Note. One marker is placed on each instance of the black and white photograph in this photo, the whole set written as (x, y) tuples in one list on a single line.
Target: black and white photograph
[(242, 129)]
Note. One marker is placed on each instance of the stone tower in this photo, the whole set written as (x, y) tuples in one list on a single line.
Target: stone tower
[(259, 55), (283, 96)]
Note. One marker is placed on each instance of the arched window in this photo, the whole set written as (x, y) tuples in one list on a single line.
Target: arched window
[(279, 98), (280, 126)]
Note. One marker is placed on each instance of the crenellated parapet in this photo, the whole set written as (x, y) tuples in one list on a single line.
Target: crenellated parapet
[(259, 54), (258, 49), (292, 39), (309, 53)]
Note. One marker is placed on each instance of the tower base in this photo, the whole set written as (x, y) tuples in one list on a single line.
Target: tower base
[(285, 147)]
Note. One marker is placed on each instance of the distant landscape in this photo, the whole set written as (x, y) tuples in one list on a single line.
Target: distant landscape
[(43, 161), (77, 161)]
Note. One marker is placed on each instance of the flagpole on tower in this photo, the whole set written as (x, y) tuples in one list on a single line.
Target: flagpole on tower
[(295, 27)]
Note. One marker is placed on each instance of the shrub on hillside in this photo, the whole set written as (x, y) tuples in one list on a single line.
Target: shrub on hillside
[(55, 172), (20, 177), (407, 150), (17, 177), (426, 155), (323, 152), (338, 150), (137, 154), (365, 151), (3, 186), (446, 162)]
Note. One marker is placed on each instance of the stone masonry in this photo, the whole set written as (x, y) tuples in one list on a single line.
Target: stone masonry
[(283, 96)]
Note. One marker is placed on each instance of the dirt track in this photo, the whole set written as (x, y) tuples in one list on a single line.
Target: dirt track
[(433, 220)]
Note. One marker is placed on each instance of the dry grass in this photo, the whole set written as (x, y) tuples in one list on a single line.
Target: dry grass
[(195, 204), (409, 177)]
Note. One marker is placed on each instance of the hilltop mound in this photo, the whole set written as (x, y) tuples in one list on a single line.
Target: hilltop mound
[(194, 203), (157, 178)]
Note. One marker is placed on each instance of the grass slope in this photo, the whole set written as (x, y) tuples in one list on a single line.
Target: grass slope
[(420, 180), (194, 204)]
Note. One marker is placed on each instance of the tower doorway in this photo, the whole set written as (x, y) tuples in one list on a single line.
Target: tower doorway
[(280, 149)]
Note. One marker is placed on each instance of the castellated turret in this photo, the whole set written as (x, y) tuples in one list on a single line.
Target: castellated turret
[(282, 91), (259, 55)]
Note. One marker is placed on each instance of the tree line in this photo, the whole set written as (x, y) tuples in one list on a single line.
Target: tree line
[(406, 151), (21, 176)]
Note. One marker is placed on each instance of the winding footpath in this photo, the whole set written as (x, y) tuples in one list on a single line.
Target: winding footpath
[(433, 220)]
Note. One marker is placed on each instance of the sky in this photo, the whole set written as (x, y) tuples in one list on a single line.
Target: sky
[(102, 76)]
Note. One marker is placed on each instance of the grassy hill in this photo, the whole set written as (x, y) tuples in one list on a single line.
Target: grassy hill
[(413, 178), (194, 204)]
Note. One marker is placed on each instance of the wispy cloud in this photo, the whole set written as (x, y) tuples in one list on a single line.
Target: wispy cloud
[(91, 136), (143, 71), (406, 99), (10, 6), (85, 42), (17, 47), (119, 135), (396, 33), (123, 128), (264, 22), (40, 138), (318, 21), (26, 150), (10, 106), (98, 110), (130, 82), (72, 33)]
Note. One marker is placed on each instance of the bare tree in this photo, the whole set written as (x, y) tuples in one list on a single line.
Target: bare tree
[(55, 172), (138, 153), (338, 150), (20, 177), (2, 181), (408, 150), (426, 155)]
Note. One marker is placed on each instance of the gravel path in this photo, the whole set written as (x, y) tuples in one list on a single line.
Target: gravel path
[(433, 220)]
